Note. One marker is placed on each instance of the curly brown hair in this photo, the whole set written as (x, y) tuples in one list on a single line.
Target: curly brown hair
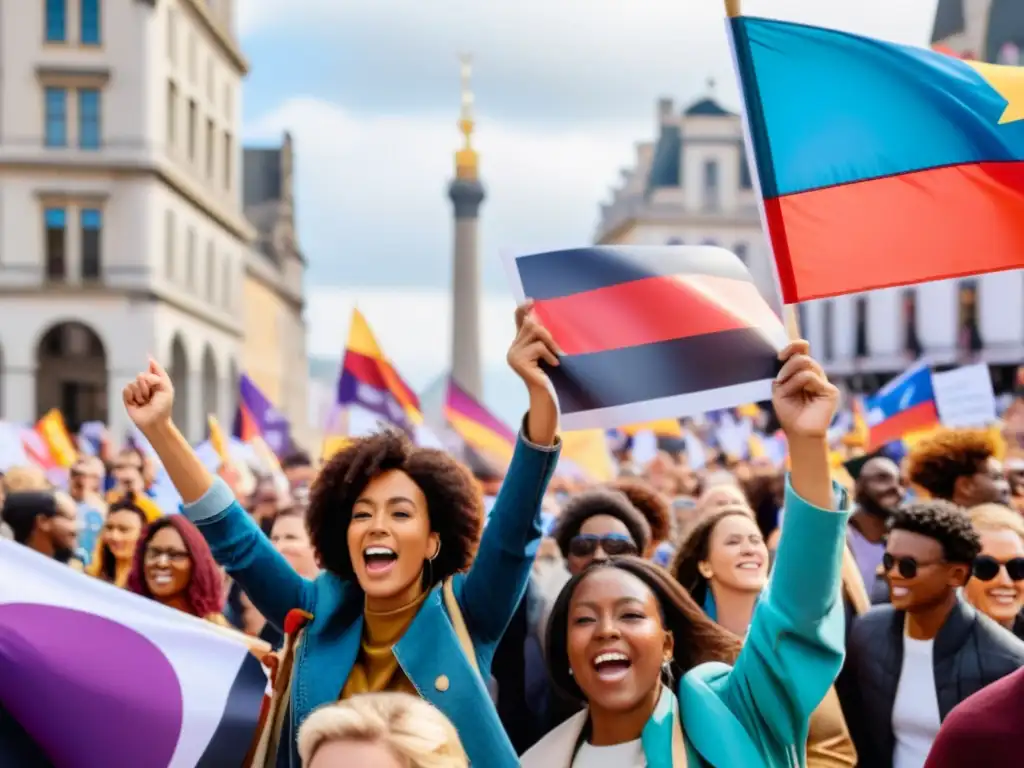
[(695, 548), (600, 501), (649, 503), (938, 461), (454, 503), (697, 638)]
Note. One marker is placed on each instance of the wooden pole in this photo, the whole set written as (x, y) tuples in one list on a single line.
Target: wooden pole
[(732, 8)]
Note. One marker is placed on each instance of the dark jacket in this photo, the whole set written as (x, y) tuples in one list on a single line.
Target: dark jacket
[(971, 651)]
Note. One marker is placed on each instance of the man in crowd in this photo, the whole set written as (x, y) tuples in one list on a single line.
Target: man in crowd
[(85, 483), (299, 470), (960, 465), (43, 522), (916, 659), (878, 493), (129, 473)]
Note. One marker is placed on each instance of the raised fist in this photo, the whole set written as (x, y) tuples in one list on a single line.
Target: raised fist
[(149, 399)]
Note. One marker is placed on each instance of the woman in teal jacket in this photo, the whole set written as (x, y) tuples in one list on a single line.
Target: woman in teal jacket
[(620, 633), (392, 609)]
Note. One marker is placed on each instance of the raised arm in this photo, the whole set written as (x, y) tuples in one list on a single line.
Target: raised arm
[(237, 542), (497, 580), (794, 648)]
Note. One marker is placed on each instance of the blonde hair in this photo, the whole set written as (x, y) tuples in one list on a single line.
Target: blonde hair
[(20, 479), (409, 726), (995, 518)]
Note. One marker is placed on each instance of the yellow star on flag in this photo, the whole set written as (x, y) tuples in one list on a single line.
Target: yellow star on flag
[(1008, 82)]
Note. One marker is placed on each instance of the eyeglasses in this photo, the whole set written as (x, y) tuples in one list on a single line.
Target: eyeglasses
[(174, 555), (906, 566), (585, 544), (987, 568)]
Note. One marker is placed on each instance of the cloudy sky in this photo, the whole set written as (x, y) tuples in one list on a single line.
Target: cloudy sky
[(564, 88)]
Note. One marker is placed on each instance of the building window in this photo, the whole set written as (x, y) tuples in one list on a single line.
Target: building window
[(92, 228), (56, 221), (860, 309), (169, 244), (211, 145), (172, 113), (56, 117), (969, 336), (56, 21), (192, 117), (89, 16), (711, 186), (911, 342), (211, 277), (828, 330), (227, 160), (225, 283), (190, 260), (89, 118), (740, 249)]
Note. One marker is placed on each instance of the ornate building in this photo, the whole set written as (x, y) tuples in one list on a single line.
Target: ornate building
[(691, 185), (274, 347), (122, 230)]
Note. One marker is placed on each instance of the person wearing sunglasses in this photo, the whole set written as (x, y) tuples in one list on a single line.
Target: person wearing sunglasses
[(997, 584), (918, 658), (599, 524)]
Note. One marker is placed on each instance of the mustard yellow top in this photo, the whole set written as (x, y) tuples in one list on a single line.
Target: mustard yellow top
[(376, 668), (828, 740)]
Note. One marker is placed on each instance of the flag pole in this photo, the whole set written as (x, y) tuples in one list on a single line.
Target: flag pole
[(732, 8)]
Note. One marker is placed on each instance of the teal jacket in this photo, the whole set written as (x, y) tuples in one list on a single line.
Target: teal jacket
[(430, 653), (755, 713)]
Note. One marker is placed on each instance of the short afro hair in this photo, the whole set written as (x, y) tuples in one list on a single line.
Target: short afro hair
[(650, 503), (454, 503), (943, 521), (600, 501), (938, 461)]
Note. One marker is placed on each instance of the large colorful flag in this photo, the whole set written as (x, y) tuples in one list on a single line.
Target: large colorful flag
[(55, 434), (880, 164), (258, 418), (477, 426), (369, 381), (903, 406), (94, 675), (650, 332)]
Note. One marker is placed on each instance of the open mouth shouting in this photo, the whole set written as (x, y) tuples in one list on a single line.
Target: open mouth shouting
[(611, 666), (379, 560)]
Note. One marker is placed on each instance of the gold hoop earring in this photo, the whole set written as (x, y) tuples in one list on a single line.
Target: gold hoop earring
[(438, 551)]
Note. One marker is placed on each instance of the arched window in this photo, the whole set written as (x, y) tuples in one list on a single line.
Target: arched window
[(911, 342), (860, 320), (969, 340)]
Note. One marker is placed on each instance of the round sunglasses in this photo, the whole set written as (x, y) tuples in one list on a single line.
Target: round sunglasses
[(907, 567), (585, 544), (987, 568)]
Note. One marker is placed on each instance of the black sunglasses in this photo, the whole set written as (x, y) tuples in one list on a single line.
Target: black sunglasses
[(585, 544), (987, 568), (906, 566)]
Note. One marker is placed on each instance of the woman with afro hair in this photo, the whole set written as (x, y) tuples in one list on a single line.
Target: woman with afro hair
[(412, 597)]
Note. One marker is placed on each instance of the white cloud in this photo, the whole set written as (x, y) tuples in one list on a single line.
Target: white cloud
[(372, 197)]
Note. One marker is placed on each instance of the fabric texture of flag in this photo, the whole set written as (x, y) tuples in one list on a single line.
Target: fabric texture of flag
[(650, 332), (903, 406), (369, 381), (176, 693), (880, 164), (55, 433), (477, 426), (257, 417)]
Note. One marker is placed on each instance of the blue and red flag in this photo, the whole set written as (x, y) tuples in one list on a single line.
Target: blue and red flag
[(904, 405), (257, 417), (880, 164), (651, 332)]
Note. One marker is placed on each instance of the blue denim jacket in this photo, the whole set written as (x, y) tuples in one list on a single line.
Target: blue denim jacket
[(429, 653)]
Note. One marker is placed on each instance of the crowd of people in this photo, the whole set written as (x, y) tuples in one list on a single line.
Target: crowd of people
[(740, 614)]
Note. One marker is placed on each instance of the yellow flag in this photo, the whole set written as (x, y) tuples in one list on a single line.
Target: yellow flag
[(55, 433), (588, 450), (217, 439)]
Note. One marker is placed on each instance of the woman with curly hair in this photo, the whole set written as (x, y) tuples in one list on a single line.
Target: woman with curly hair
[(115, 550), (412, 597), (723, 564), (628, 640), (174, 566), (959, 465)]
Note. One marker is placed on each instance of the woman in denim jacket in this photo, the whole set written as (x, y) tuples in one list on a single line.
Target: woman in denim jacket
[(394, 526)]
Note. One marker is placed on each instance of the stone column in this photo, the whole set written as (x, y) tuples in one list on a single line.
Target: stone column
[(466, 196)]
